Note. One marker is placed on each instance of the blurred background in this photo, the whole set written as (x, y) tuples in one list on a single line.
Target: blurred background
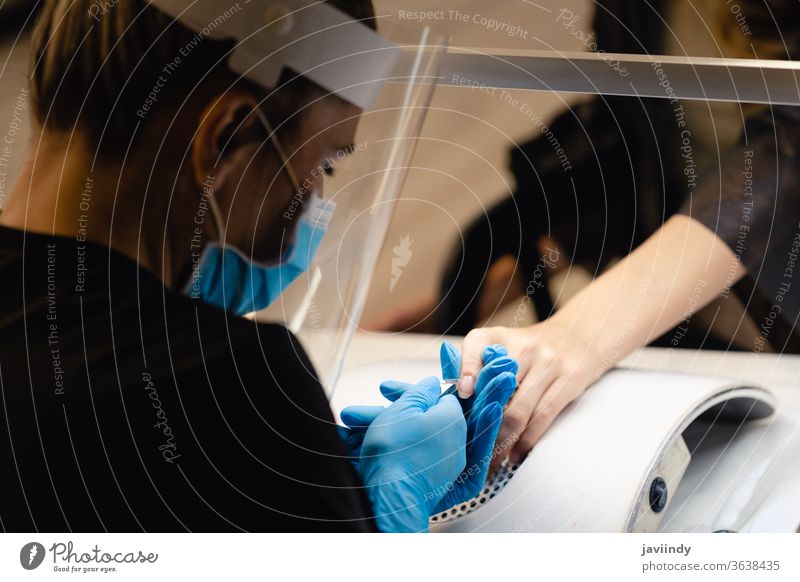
[(461, 165)]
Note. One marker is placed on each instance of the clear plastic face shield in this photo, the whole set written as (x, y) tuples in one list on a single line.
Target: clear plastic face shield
[(389, 78)]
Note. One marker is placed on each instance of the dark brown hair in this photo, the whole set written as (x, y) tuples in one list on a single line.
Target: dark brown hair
[(93, 68)]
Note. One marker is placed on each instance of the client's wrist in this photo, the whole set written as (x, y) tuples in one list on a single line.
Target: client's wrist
[(582, 341)]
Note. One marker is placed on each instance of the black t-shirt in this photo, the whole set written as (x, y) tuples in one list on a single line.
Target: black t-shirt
[(127, 407), (752, 202)]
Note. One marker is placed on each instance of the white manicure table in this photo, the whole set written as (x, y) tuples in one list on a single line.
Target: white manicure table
[(671, 441)]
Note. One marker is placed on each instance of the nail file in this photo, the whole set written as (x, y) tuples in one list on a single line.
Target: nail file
[(452, 383)]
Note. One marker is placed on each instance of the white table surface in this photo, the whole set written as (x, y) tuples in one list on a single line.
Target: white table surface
[(716, 469)]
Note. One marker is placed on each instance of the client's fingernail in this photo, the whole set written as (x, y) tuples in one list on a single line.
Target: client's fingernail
[(466, 386)]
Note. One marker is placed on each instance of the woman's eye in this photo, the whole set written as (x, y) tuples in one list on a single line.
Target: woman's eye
[(328, 168)]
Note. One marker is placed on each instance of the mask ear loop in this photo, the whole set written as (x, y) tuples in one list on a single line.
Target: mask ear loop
[(273, 138), (276, 143), (217, 214), (316, 277)]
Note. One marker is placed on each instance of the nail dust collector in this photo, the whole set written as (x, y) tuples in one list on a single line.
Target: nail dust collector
[(612, 460)]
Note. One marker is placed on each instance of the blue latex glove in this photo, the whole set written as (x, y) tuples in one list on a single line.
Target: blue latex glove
[(358, 418), (411, 454), (494, 386)]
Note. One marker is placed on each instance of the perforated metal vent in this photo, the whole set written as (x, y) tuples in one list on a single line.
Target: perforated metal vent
[(494, 485)]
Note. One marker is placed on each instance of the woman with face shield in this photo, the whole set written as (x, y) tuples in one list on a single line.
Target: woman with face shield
[(165, 195)]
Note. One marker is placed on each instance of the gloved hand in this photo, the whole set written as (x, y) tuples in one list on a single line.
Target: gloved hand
[(358, 418), (411, 454), (494, 386)]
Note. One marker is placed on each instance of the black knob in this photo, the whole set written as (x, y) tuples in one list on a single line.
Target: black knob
[(658, 495)]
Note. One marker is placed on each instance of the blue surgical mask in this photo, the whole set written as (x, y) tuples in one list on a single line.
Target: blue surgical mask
[(227, 278)]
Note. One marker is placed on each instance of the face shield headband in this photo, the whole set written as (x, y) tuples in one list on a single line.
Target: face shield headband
[(311, 38)]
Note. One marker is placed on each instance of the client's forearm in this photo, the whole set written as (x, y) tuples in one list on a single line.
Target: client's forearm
[(678, 270)]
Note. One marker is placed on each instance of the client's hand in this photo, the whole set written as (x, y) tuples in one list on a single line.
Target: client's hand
[(556, 366)]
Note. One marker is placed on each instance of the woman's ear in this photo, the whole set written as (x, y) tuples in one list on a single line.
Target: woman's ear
[(221, 131)]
